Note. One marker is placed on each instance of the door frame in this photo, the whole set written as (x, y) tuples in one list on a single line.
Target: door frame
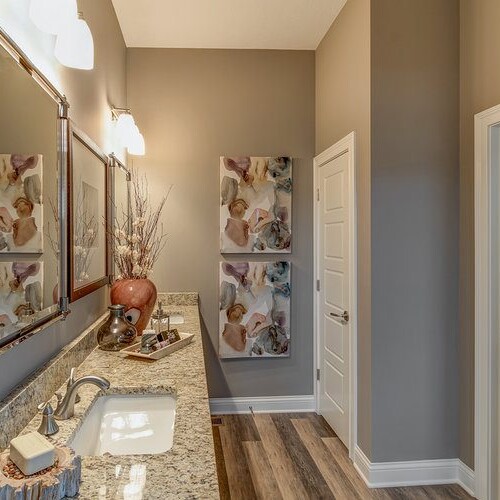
[(345, 145), (485, 358)]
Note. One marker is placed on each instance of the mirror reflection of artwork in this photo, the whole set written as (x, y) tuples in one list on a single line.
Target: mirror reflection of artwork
[(254, 312), (86, 229), (256, 204), (21, 203), (90, 207), (20, 283)]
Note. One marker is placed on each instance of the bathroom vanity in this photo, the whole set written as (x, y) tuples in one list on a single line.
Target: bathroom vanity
[(187, 469)]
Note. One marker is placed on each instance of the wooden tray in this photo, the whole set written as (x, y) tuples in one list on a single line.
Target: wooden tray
[(133, 350)]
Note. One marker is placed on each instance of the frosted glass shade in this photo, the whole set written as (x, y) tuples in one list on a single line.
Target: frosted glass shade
[(125, 129), (137, 146), (51, 16), (75, 45)]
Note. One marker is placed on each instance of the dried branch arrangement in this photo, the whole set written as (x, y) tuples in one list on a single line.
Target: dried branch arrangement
[(138, 238)]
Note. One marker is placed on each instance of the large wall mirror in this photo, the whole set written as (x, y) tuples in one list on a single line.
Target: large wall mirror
[(31, 164), (88, 207)]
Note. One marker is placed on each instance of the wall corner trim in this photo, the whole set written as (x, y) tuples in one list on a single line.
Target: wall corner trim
[(268, 404), (414, 473)]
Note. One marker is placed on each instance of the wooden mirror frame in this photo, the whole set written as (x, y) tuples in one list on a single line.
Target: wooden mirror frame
[(74, 133)]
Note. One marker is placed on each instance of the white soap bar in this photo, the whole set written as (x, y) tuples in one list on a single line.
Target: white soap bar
[(32, 453)]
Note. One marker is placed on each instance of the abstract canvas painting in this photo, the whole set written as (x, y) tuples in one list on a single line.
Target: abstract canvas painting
[(254, 309), (256, 204), (20, 283), (21, 203)]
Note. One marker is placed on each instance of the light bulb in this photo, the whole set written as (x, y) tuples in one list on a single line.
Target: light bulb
[(125, 129), (75, 45), (51, 16), (137, 146)]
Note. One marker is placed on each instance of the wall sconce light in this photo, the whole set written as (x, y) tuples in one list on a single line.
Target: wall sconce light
[(50, 16), (74, 44), (128, 132)]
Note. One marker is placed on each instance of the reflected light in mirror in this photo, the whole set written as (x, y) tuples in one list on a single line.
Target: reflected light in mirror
[(75, 45), (50, 16)]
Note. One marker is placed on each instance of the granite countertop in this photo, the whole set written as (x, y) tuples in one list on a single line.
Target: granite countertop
[(188, 469)]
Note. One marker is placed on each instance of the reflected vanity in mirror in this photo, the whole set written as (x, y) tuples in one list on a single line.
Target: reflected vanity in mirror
[(88, 209), (32, 170)]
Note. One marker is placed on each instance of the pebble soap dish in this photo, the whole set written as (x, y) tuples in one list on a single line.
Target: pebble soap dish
[(61, 480), (135, 350)]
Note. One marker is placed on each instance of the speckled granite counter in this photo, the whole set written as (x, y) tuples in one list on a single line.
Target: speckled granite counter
[(188, 470)]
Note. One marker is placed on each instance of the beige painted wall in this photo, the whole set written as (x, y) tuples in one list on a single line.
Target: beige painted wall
[(194, 106), (90, 94), (414, 197), (480, 90), (343, 105)]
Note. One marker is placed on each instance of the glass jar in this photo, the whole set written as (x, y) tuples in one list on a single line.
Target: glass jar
[(117, 332), (160, 320)]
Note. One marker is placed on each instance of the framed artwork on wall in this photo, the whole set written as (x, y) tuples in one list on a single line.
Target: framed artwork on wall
[(255, 204), (254, 309), (21, 213)]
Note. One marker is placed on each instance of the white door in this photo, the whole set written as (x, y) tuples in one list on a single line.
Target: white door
[(487, 298), (334, 308)]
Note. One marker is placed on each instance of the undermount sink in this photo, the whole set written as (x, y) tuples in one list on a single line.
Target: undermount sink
[(131, 424)]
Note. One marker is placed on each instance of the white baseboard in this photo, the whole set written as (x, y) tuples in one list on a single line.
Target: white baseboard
[(466, 478), (272, 404), (416, 473)]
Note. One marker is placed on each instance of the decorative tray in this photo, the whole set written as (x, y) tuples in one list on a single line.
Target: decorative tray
[(134, 350)]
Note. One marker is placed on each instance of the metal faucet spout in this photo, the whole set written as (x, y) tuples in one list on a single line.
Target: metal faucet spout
[(66, 406)]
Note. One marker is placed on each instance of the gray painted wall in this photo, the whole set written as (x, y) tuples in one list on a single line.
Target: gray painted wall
[(479, 90), (415, 171), (194, 106), (90, 95), (343, 105)]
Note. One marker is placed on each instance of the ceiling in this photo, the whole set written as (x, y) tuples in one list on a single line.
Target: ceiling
[(226, 24)]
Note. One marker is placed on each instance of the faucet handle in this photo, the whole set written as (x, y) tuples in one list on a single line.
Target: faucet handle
[(48, 425), (71, 380)]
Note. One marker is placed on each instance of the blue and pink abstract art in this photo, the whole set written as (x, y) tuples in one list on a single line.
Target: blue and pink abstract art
[(256, 204), (254, 309)]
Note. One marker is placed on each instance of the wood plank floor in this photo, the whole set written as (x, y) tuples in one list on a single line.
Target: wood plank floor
[(296, 456)]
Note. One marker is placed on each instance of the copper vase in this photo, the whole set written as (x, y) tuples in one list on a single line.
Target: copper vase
[(139, 298)]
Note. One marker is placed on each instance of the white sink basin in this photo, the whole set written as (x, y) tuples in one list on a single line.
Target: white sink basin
[(132, 424)]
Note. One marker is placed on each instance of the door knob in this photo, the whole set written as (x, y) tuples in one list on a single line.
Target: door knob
[(344, 316)]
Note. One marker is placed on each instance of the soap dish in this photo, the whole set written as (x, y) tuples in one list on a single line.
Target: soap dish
[(59, 481), (135, 350)]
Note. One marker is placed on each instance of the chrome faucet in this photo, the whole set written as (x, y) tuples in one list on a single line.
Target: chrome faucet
[(66, 406)]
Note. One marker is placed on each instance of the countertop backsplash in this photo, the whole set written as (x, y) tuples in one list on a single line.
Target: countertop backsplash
[(19, 407)]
